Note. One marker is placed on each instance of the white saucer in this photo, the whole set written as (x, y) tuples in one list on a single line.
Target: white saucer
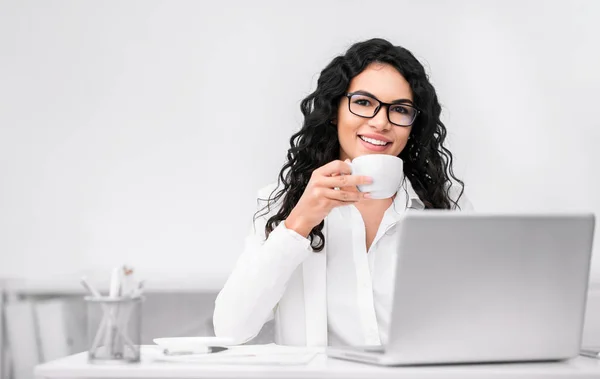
[(195, 345)]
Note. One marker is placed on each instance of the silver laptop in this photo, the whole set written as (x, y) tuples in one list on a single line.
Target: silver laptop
[(473, 287)]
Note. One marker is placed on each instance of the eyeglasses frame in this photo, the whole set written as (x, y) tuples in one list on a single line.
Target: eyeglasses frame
[(387, 105)]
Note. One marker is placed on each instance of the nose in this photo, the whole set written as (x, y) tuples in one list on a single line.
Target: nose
[(380, 120)]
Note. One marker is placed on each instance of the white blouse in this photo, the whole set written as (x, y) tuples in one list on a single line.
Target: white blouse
[(358, 284)]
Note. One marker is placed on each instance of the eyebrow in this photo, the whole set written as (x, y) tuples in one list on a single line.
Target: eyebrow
[(398, 101)]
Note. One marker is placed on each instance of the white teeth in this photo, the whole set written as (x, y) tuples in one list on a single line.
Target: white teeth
[(373, 141)]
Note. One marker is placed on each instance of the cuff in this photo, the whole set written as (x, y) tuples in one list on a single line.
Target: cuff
[(297, 236), (293, 247)]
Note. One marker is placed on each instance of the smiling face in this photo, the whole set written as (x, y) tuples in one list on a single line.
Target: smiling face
[(377, 135)]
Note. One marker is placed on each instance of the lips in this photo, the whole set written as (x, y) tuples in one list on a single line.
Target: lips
[(374, 141), (373, 147), (377, 137)]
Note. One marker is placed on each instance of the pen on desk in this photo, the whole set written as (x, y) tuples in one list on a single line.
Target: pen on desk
[(210, 349), (590, 353)]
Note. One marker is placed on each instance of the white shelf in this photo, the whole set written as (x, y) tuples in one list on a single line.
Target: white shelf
[(154, 283)]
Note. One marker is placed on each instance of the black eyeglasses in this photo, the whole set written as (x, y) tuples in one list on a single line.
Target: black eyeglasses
[(367, 106)]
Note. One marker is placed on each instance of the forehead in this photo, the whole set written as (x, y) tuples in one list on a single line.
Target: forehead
[(383, 81)]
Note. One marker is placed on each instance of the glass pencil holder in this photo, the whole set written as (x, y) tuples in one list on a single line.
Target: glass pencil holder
[(114, 329)]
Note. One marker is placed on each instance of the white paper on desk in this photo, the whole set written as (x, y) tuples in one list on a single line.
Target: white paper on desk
[(269, 354)]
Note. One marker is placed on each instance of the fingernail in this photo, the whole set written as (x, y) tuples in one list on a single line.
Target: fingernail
[(369, 179), (367, 195)]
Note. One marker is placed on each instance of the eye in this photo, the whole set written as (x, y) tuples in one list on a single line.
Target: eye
[(364, 102), (400, 109)]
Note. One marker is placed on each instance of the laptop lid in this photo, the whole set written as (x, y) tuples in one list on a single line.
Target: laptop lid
[(473, 287)]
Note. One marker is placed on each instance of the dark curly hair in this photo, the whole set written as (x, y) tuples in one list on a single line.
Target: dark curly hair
[(427, 163)]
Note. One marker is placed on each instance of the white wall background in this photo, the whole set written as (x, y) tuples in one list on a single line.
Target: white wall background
[(139, 131)]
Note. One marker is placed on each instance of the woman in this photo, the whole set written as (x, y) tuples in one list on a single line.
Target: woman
[(321, 256)]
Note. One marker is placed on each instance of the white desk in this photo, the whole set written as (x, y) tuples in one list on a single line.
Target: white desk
[(76, 366)]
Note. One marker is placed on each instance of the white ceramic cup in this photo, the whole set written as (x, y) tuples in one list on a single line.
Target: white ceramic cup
[(386, 170)]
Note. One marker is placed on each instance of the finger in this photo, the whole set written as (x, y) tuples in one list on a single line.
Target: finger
[(335, 167), (344, 181), (345, 196)]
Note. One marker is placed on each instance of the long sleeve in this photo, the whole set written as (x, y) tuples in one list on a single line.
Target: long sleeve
[(258, 280)]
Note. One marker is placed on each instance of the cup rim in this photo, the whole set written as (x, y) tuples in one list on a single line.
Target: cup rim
[(381, 155)]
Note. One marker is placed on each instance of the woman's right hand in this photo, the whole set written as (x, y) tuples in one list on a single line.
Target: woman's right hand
[(320, 195)]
